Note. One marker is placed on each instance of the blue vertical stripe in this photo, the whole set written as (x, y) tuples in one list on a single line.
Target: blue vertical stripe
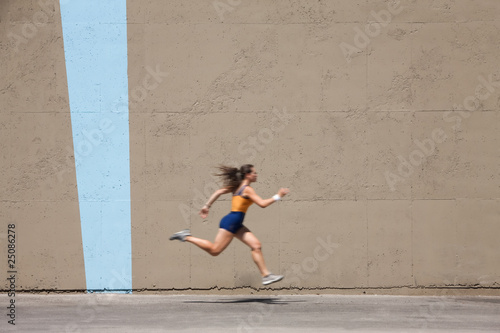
[(95, 47)]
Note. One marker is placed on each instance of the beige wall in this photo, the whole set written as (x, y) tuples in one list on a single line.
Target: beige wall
[(346, 123), (38, 181)]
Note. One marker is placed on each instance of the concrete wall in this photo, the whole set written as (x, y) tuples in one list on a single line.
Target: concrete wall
[(381, 117)]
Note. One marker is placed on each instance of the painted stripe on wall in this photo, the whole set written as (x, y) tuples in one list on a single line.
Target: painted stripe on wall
[(95, 47)]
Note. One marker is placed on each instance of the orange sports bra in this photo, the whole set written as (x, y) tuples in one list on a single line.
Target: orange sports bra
[(239, 203)]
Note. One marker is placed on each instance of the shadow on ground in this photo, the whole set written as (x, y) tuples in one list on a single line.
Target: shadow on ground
[(266, 300)]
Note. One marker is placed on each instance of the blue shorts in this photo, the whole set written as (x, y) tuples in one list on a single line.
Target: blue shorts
[(232, 222)]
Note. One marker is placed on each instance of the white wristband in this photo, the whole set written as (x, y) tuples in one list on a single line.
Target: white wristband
[(276, 197)]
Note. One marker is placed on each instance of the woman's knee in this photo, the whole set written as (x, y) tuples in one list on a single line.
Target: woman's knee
[(256, 246), (215, 251)]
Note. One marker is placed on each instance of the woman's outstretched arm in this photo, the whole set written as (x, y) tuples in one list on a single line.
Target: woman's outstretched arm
[(213, 197), (250, 192)]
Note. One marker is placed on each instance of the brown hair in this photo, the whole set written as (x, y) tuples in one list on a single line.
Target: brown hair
[(232, 177)]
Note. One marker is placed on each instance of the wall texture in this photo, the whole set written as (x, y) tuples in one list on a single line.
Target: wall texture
[(382, 117)]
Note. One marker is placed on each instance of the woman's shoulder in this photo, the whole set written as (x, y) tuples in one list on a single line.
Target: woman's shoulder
[(248, 188), (242, 189)]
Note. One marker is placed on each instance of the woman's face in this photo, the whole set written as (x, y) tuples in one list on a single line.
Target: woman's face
[(252, 176)]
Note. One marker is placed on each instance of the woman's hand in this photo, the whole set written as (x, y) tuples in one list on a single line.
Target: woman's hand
[(283, 191), (204, 212)]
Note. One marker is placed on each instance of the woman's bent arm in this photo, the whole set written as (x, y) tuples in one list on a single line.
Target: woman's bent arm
[(250, 192), (213, 197), (216, 195)]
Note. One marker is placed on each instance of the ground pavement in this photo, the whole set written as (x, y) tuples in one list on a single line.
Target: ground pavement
[(216, 313)]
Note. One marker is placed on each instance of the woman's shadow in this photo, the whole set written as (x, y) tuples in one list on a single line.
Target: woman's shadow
[(263, 300)]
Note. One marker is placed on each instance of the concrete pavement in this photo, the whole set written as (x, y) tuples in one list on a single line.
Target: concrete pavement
[(215, 313)]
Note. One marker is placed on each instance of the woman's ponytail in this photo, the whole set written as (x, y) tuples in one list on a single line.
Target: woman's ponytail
[(232, 177)]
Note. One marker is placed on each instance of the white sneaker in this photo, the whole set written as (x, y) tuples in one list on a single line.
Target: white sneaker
[(181, 235), (271, 278)]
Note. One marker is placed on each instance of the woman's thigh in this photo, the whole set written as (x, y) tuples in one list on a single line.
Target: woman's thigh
[(247, 237), (222, 240)]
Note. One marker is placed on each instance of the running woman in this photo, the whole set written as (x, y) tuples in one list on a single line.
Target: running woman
[(238, 183)]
